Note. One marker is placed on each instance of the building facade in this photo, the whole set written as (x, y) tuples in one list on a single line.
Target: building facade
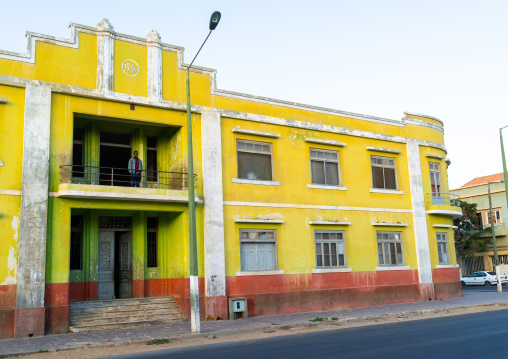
[(476, 191), (298, 207)]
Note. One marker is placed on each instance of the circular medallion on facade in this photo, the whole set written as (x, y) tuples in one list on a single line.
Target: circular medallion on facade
[(130, 67)]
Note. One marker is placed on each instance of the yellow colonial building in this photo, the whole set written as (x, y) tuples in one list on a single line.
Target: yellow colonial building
[(298, 207)]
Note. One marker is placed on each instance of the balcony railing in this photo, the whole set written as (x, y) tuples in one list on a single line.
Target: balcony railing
[(111, 176), (443, 199)]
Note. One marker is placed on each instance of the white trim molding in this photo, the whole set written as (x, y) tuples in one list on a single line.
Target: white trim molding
[(437, 157), (3, 100), (332, 270), (392, 268), (262, 183), (445, 212), (312, 206), (256, 220), (421, 115), (256, 133), (321, 186), (387, 191), (325, 142), (445, 266), (261, 272), (330, 223), (387, 150), (9, 192), (390, 224), (442, 226)]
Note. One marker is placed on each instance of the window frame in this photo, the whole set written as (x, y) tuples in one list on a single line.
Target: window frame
[(156, 231), (445, 242), (274, 240), (437, 175), (384, 166), (324, 167), (270, 144), (337, 241), (378, 241), (497, 214)]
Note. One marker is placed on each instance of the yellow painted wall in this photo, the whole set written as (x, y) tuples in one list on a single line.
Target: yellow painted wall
[(133, 85)]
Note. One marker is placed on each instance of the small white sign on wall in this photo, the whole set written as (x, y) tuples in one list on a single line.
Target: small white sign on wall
[(130, 67)]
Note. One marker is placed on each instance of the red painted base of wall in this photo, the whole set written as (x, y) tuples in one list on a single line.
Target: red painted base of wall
[(29, 322), (7, 310), (447, 283), (83, 291), (216, 307)]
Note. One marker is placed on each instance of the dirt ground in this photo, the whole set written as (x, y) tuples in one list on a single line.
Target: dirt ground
[(326, 324)]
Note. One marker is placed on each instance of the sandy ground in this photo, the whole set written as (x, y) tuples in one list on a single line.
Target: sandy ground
[(327, 324)]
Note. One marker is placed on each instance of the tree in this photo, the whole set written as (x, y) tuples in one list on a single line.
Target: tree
[(468, 234)]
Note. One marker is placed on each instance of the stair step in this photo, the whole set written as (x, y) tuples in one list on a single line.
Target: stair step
[(114, 308), (94, 328), (129, 312), (119, 302), (125, 319)]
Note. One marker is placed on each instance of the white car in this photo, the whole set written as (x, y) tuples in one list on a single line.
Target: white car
[(483, 278)]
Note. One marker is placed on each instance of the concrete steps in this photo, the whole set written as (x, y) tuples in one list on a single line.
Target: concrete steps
[(122, 313)]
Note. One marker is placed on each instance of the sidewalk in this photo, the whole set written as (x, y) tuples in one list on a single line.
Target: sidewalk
[(224, 327)]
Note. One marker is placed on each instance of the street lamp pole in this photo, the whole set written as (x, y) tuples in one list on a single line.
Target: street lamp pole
[(193, 251), (492, 227), (504, 163)]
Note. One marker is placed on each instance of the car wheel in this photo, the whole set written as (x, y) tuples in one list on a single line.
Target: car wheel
[(487, 283), (463, 283)]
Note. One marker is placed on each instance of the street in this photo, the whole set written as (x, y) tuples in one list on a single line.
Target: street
[(482, 288), (478, 335)]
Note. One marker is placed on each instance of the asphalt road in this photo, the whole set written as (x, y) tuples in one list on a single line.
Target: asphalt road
[(482, 288), (478, 335)]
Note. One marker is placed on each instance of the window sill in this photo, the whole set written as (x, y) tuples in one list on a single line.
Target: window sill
[(381, 224), (392, 268), (388, 191), (332, 270), (259, 182), (259, 272), (323, 186), (445, 266)]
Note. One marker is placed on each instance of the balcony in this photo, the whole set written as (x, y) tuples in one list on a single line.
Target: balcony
[(94, 182), (445, 204)]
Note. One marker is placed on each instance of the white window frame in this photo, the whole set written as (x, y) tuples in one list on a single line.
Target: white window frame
[(255, 240), (384, 166), (329, 241), (239, 140), (497, 215), (389, 241), (324, 167), (443, 241)]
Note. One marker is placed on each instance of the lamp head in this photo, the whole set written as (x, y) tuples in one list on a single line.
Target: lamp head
[(214, 20), (502, 180)]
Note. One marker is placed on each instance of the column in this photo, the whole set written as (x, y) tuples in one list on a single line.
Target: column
[(215, 269), (420, 221), (34, 213), (154, 65), (105, 46)]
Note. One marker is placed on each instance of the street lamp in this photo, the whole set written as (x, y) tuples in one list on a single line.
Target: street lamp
[(496, 258), (504, 163), (193, 252)]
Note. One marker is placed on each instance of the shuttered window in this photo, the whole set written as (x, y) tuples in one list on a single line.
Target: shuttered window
[(442, 248), (76, 253), (258, 249), (254, 160), (152, 242), (389, 248), (383, 172), (324, 167), (330, 249)]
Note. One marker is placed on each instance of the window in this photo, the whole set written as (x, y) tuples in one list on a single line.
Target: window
[(76, 255), (442, 248), (480, 219), (497, 216), (257, 249), (324, 166), (254, 160), (151, 242), (78, 153), (435, 179), (389, 248), (330, 250), (383, 172)]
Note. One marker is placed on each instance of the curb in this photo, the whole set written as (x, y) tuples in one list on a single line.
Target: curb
[(302, 325)]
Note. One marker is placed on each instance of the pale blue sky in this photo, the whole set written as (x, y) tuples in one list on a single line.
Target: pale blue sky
[(445, 58)]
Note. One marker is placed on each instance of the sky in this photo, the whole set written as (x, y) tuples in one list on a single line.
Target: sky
[(445, 58)]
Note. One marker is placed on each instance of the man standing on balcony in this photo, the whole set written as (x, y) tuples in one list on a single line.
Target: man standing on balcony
[(135, 167)]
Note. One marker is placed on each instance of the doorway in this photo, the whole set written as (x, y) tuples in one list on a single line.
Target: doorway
[(115, 151), (115, 258)]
